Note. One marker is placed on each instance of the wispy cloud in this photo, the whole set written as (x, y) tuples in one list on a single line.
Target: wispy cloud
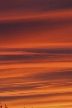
[(34, 5), (35, 55)]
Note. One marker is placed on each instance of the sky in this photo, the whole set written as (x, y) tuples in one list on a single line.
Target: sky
[(36, 53)]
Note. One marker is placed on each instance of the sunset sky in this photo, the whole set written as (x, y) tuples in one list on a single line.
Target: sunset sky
[(36, 53)]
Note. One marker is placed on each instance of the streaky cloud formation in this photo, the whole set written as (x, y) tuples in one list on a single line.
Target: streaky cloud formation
[(36, 53), (26, 55), (34, 5)]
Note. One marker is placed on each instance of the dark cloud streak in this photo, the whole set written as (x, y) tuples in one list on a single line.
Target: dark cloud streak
[(24, 26), (34, 5), (35, 81), (36, 55), (4, 98)]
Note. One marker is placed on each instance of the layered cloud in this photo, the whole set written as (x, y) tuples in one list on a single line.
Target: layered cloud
[(40, 87), (38, 76), (34, 5), (35, 55), (22, 27)]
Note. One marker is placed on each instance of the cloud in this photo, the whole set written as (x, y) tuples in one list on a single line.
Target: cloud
[(35, 87), (20, 31), (39, 30), (35, 21), (37, 80), (18, 87), (34, 5), (35, 96), (32, 25), (53, 75), (35, 55)]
